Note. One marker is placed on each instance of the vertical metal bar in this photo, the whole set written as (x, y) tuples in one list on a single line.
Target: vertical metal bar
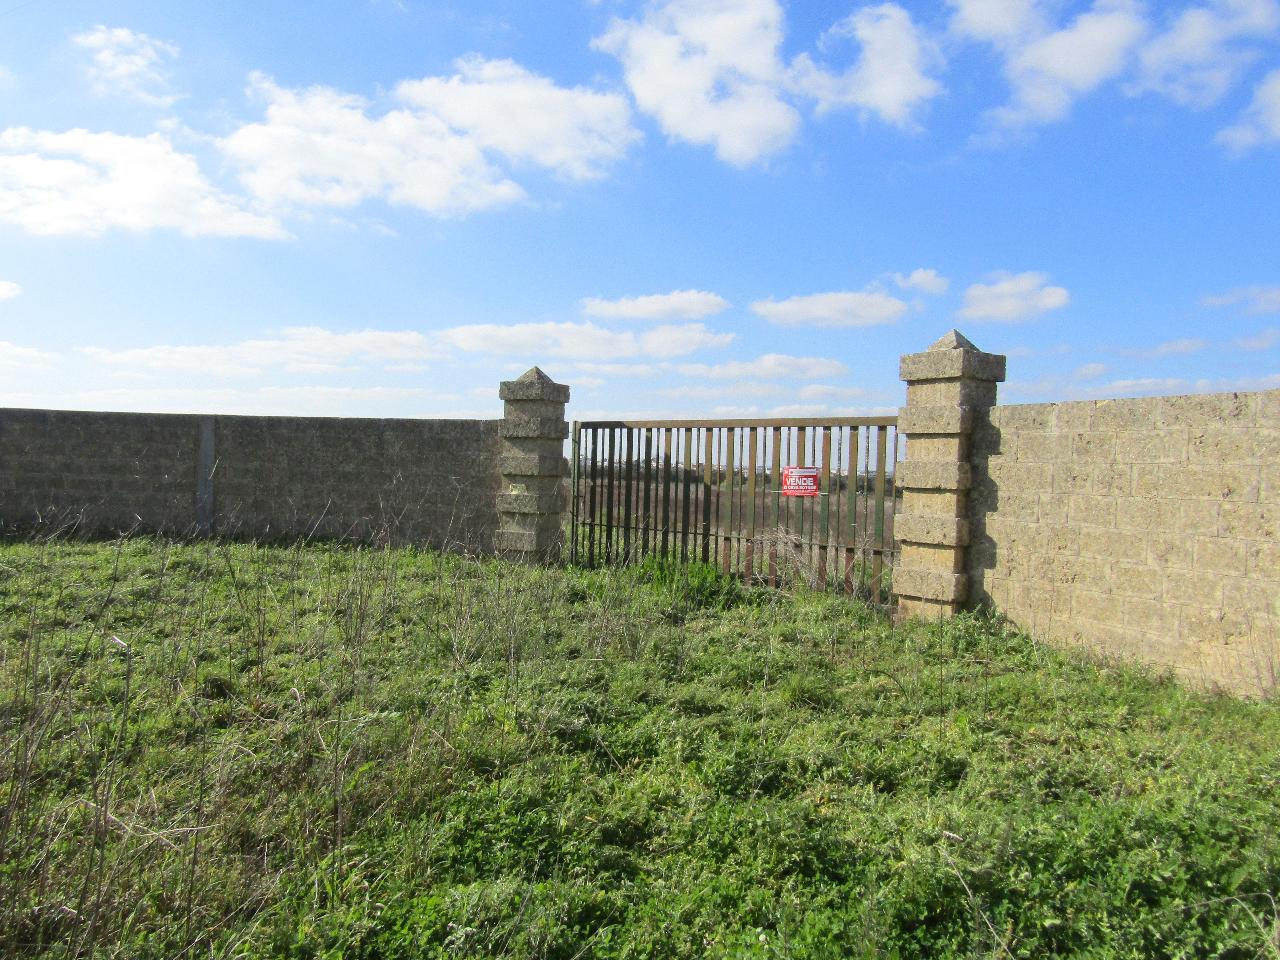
[(648, 483), (877, 564), (687, 484), (573, 496), (666, 491), (776, 529), (591, 506), (749, 560), (625, 468), (824, 510), (708, 438), (612, 435), (726, 529)]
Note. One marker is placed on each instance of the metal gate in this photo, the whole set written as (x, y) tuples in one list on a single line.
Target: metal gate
[(710, 490)]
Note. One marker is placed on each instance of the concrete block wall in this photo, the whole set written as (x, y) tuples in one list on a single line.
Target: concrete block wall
[(444, 483), (1142, 527)]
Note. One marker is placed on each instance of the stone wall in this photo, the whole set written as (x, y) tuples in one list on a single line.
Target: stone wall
[(1146, 527), (424, 481)]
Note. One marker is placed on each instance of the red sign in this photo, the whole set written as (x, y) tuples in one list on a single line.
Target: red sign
[(799, 481)]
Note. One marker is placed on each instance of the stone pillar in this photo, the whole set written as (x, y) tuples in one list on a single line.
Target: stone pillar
[(532, 502), (947, 386)]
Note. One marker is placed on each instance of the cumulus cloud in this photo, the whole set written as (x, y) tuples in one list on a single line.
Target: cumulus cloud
[(1001, 22), (1049, 73), (771, 366), (1013, 297), (839, 309), (85, 183), (891, 77), (710, 73), (1199, 57), (1260, 122), (582, 340), (129, 64), (926, 281), (444, 150), (677, 305), (296, 350), (502, 107), (9, 289), (1255, 299)]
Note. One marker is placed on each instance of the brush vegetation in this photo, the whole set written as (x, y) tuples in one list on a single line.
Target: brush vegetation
[(233, 750)]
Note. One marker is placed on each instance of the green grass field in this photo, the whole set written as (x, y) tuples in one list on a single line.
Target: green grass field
[(216, 750)]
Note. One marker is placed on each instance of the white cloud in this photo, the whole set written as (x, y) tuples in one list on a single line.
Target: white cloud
[(1013, 297), (1050, 72), (681, 340), (296, 350), (1001, 22), (9, 290), (720, 391), (824, 391), (677, 305), (1177, 347), (85, 183), (1195, 61), (1261, 341), (926, 281), (618, 369), (502, 107), (24, 358), (1090, 371), (1256, 299), (839, 309), (319, 147), (441, 151), (582, 340), (129, 64), (1260, 122), (709, 72), (771, 366), (890, 79)]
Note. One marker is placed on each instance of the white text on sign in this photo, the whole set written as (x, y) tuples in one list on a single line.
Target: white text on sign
[(799, 481)]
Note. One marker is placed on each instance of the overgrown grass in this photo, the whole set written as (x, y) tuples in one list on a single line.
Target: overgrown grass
[(323, 751)]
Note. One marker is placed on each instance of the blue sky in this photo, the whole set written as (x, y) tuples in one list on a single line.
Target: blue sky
[(734, 207)]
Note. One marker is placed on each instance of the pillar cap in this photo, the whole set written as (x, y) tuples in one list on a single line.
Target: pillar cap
[(952, 357), (533, 384)]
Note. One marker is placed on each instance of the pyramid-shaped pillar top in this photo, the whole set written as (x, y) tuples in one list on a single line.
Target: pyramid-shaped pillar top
[(533, 384), (951, 357), (951, 340)]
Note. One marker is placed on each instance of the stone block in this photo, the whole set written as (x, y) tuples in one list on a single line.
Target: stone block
[(948, 364), (532, 464), (1093, 447), (533, 408), (914, 421), (1204, 410), (931, 475), (1128, 414), (924, 556), (942, 447), (917, 608), (1152, 446), (930, 584), (1219, 555), (549, 428), (1250, 521), (946, 393), (934, 503), (946, 531)]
